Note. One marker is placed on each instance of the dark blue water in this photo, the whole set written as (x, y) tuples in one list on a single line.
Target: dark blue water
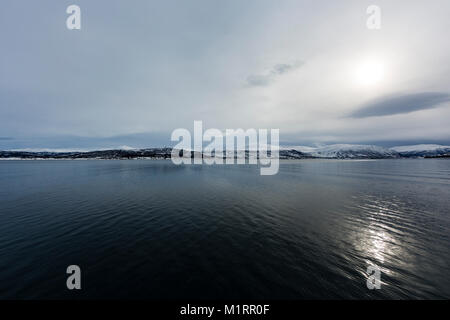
[(150, 229)]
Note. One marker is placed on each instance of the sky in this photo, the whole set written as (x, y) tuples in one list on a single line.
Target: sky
[(137, 70)]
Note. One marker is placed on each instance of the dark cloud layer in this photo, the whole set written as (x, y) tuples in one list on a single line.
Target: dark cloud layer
[(267, 78), (397, 104)]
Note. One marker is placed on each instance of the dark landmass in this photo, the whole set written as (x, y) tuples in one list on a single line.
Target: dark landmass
[(152, 153), (165, 153), (438, 156)]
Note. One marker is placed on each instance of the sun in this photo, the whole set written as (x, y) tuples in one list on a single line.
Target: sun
[(370, 72)]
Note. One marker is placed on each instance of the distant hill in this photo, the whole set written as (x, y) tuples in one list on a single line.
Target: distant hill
[(348, 151), (337, 151), (422, 150)]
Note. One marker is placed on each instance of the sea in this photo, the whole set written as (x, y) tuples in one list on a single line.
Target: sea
[(149, 229)]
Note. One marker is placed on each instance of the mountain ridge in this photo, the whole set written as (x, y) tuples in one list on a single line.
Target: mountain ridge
[(335, 151)]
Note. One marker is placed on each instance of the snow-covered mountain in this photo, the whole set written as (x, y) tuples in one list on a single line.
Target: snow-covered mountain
[(422, 150), (335, 151), (346, 151), (356, 151)]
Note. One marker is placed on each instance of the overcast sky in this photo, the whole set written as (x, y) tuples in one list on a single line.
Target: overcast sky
[(137, 70)]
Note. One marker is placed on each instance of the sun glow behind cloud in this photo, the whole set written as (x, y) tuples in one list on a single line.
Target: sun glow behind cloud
[(370, 72)]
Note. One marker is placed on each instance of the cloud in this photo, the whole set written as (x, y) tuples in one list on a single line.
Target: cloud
[(398, 104), (277, 70), (202, 60)]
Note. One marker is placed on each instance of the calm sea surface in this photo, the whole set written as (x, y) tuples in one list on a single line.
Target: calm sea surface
[(150, 229)]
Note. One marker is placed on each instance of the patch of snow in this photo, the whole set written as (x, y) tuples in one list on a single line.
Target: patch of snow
[(342, 150), (419, 147)]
